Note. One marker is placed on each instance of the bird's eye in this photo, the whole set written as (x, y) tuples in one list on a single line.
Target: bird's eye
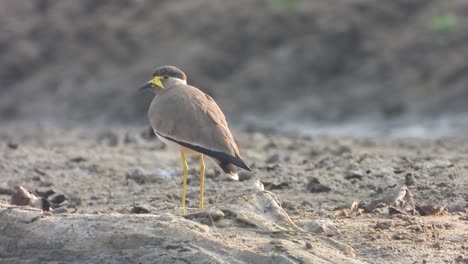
[(165, 77)]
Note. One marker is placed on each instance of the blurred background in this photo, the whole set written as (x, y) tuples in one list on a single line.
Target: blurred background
[(353, 67)]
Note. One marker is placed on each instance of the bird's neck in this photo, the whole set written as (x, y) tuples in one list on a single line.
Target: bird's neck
[(175, 81)]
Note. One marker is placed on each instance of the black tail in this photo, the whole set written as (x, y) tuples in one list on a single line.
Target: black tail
[(230, 167), (226, 160)]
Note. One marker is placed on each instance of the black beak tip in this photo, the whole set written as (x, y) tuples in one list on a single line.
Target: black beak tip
[(144, 87)]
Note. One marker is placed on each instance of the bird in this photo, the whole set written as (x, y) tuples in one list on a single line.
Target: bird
[(189, 121)]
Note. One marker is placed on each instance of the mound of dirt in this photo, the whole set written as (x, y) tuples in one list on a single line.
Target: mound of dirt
[(314, 60), (35, 237)]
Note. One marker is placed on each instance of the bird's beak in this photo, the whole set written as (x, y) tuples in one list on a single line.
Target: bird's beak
[(144, 87), (155, 81)]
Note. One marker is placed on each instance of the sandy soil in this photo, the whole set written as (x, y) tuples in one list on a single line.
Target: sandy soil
[(115, 173)]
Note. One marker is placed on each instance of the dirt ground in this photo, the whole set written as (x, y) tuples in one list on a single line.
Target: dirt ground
[(280, 70), (123, 176)]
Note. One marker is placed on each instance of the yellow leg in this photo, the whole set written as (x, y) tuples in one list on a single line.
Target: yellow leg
[(202, 179), (184, 184)]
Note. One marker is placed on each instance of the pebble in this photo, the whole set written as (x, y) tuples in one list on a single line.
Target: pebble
[(398, 237), (426, 210), (78, 159), (139, 210), (384, 225), (273, 158), (57, 199), (216, 215), (60, 210), (133, 187), (409, 179), (315, 186), (325, 227), (12, 145), (455, 207), (245, 175), (354, 175), (5, 190)]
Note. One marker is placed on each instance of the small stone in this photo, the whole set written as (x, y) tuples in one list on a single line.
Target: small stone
[(60, 210), (21, 196), (398, 237), (36, 178), (315, 186), (325, 227), (216, 215), (395, 211), (381, 210), (275, 186), (4, 190), (245, 175), (273, 158), (78, 159), (133, 187), (455, 207), (12, 145), (57, 199), (384, 225), (461, 259), (136, 209), (382, 173), (258, 185), (426, 210), (409, 179), (354, 175), (351, 211), (308, 245), (206, 217), (40, 172)]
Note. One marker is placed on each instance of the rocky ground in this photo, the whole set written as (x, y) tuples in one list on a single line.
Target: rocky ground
[(309, 199)]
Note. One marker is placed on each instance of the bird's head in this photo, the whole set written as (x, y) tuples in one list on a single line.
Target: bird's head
[(165, 77)]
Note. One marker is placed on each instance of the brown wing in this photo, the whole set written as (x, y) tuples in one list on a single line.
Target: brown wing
[(188, 115)]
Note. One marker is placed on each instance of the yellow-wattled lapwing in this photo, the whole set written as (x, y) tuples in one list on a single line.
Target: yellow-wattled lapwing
[(190, 121)]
